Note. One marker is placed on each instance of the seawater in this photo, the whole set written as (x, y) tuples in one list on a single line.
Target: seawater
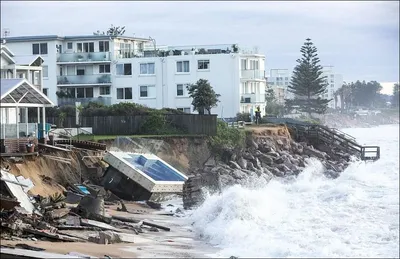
[(355, 215)]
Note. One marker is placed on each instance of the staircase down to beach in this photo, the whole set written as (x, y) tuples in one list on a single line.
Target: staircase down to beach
[(330, 137)]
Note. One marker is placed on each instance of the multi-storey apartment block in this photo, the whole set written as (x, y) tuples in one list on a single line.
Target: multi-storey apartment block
[(112, 69), (279, 80)]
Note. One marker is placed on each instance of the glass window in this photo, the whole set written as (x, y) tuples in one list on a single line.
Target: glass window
[(104, 90), (104, 46), (128, 93), (35, 49), (147, 69), (143, 91), (179, 89), (43, 48), (45, 71), (69, 45), (80, 92), (79, 47), (124, 69), (182, 66), (203, 64), (104, 69), (89, 92), (120, 93), (45, 91)]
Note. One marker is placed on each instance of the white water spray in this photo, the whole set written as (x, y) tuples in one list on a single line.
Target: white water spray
[(355, 215)]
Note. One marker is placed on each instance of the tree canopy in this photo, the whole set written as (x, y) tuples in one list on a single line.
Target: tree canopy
[(204, 96), (361, 94), (308, 83), (112, 31)]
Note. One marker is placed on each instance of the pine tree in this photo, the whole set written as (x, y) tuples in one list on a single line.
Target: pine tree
[(307, 83)]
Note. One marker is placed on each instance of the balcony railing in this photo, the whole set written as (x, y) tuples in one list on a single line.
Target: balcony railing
[(84, 57), (83, 101), (84, 80), (252, 74), (252, 98)]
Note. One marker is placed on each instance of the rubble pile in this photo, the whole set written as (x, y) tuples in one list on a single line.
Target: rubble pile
[(78, 215)]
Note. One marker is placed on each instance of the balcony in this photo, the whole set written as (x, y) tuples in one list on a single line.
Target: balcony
[(252, 98), (83, 101), (92, 57), (102, 79), (252, 74)]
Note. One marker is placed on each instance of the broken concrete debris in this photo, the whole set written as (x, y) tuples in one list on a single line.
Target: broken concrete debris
[(59, 218)]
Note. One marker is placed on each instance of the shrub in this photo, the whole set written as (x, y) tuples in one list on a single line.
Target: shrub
[(226, 138), (244, 116)]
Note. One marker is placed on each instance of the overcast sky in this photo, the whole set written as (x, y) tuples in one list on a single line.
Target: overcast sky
[(360, 39)]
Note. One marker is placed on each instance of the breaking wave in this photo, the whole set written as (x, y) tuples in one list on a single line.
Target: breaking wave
[(355, 215)]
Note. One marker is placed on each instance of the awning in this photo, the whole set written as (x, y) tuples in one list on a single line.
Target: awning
[(20, 93)]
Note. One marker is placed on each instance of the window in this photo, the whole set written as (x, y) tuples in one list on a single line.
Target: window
[(332, 85), (243, 64), (124, 93), (286, 78), (271, 83), (45, 71), (182, 66), (104, 46), (254, 64), (185, 110), (39, 48), (124, 69), (120, 93), (45, 91), (128, 93), (104, 69), (43, 48), (332, 76), (85, 47), (286, 83), (80, 92), (104, 90), (203, 64), (143, 91), (71, 92), (147, 69), (180, 89), (79, 47), (69, 45), (89, 92), (80, 71), (147, 91)]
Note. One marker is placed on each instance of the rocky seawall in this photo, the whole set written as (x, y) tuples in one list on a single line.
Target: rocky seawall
[(267, 154)]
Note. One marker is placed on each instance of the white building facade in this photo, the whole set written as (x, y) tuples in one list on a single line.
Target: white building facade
[(279, 80), (125, 69)]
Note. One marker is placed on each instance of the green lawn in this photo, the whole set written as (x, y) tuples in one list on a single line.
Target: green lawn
[(111, 137)]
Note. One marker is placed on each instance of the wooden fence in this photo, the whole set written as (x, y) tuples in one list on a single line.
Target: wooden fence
[(192, 124)]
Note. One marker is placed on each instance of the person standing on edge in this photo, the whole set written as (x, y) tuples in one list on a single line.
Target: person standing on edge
[(258, 115)]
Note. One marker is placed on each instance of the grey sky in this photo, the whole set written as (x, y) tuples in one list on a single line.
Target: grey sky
[(360, 39)]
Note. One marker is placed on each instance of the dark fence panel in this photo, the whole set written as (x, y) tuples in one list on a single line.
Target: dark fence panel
[(130, 125)]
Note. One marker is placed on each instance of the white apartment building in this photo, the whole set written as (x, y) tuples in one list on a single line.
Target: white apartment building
[(112, 69), (279, 79)]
